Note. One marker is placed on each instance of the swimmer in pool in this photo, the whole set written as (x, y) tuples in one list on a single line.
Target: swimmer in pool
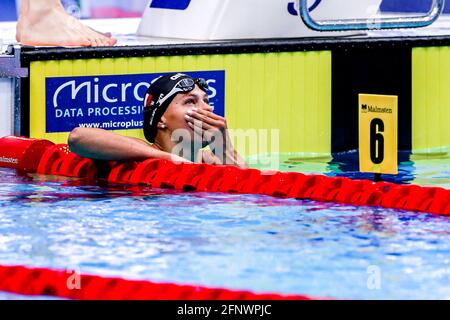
[(45, 23), (178, 123)]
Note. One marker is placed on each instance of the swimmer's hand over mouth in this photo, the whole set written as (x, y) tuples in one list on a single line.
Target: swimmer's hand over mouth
[(206, 122), (213, 128)]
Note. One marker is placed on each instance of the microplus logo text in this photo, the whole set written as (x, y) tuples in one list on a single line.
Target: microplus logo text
[(111, 102)]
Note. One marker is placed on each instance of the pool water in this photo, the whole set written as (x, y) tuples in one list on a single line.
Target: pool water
[(249, 242)]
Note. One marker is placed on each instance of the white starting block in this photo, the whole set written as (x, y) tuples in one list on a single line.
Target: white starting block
[(245, 19)]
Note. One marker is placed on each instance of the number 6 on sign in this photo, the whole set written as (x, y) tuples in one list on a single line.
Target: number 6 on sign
[(378, 133)]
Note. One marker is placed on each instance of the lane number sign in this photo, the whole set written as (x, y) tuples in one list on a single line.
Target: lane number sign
[(378, 132)]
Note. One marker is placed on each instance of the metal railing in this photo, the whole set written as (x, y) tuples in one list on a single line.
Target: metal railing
[(372, 23)]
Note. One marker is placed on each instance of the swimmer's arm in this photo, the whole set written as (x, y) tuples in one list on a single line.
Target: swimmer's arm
[(106, 145), (208, 157), (233, 157), (230, 156), (139, 140), (227, 154)]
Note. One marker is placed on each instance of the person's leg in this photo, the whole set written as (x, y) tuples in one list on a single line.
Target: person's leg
[(45, 23), (22, 13)]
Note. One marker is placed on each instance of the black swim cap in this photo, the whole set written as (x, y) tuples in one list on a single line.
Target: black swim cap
[(160, 94)]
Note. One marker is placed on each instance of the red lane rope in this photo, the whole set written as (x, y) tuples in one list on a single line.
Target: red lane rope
[(43, 157), (213, 178), (67, 284)]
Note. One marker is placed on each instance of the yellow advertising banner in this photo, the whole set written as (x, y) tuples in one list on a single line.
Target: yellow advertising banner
[(378, 131), (288, 91)]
